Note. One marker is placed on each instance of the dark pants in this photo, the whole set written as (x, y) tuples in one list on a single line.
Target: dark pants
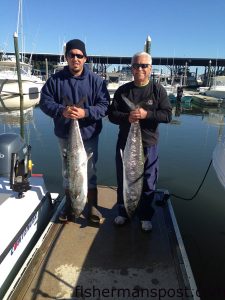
[(144, 210)]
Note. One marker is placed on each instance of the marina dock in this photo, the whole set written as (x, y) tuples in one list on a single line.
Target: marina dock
[(79, 260)]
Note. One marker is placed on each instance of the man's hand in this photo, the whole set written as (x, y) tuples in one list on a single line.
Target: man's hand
[(137, 114), (73, 112)]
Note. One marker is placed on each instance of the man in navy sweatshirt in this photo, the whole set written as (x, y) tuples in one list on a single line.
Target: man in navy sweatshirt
[(60, 99)]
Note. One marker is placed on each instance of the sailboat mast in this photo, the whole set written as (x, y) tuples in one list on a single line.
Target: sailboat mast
[(18, 19)]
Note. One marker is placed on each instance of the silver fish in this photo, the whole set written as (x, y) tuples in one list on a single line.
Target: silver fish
[(77, 161), (133, 165)]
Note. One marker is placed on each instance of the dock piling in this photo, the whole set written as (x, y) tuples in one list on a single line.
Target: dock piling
[(19, 83)]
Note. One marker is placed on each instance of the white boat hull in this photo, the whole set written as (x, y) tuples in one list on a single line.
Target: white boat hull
[(21, 220), (219, 162), (215, 93), (218, 87), (10, 96)]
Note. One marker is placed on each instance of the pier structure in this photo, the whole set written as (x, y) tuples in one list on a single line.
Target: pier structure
[(101, 63)]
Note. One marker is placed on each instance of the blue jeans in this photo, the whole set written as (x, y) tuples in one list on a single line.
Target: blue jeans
[(91, 146), (144, 211)]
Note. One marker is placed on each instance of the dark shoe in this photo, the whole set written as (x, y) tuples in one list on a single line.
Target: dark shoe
[(65, 213), (63, 217), (94, 214), (146, 226), (119, 220)]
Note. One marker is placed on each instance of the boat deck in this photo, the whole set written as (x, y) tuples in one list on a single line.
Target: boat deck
[(79, 260), (22, 220)]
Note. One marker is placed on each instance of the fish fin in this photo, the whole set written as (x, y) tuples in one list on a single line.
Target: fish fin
[(143, 104), (130, 104), (90, 155), (121, 153), (81, 102), (67, 101)]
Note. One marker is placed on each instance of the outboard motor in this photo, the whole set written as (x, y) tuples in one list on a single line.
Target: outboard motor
[(15, 162)]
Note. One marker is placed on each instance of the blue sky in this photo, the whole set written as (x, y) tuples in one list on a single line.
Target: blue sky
[(191, 28)]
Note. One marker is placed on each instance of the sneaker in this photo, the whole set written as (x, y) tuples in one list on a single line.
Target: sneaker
[(63, 216), (119, 220), (146, 225), (95, 216)]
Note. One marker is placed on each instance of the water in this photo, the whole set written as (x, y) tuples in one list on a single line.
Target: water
[(186, 146)]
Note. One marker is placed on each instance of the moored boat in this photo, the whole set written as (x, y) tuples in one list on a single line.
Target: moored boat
[(115, 80), (218, 88), (25, 207), (206, 100), (9, 87), (31, 81)]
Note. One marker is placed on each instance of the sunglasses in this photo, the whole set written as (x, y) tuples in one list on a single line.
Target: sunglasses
[(142, 66), (79, 56)]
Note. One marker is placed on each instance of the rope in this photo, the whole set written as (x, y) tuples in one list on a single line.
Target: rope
[(196, 193)]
